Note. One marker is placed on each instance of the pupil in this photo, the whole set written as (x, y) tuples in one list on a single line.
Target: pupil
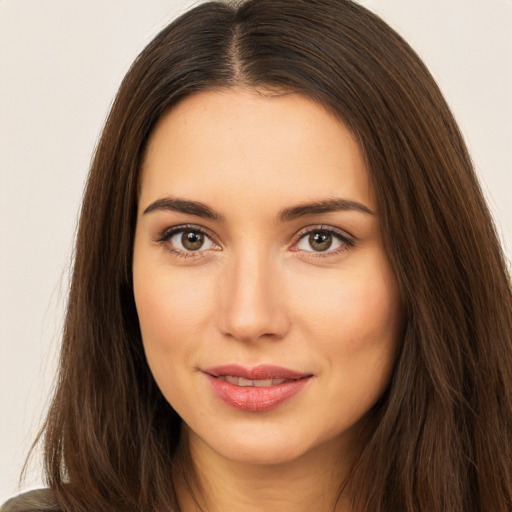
[(192, 240), (320, 241)]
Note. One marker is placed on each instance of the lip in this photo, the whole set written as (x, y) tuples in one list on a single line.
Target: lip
[(262, 371), (253, 398)]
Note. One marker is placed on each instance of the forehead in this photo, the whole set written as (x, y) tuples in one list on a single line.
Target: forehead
[(238, 143)]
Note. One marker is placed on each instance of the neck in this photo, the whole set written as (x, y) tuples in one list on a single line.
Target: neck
[(311, 483)]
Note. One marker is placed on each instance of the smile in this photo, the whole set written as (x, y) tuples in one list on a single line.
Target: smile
[(256, 389), (240, 381)]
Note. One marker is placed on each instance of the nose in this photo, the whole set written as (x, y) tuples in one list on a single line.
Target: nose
[(252, 299)]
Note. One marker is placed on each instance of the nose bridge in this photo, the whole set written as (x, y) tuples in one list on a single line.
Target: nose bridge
[(252, 306)]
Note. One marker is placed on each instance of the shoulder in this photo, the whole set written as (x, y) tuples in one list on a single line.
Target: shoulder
[(42, 500)]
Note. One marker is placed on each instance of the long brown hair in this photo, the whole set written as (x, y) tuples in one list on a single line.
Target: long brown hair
[(443, 434)]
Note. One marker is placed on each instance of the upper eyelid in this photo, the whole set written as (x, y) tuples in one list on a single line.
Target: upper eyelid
[(300, 232), (168, 232), (324, 227)]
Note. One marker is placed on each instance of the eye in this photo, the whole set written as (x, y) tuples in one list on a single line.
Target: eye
[(184, 240), (189, 240), (323, 240)]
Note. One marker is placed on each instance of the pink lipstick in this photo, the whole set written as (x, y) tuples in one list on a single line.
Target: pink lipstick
[(255, 389)]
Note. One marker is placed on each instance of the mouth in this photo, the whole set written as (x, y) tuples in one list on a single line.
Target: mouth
[(244, 383), (255, 389), (256, 374)]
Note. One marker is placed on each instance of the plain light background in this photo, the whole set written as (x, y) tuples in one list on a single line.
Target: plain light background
[(60, 65)]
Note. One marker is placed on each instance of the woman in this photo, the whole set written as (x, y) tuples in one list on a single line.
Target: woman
[(288, 293)]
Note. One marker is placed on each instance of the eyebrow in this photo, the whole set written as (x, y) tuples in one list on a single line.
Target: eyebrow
[(325, 206), (184, 206), (288, 214)]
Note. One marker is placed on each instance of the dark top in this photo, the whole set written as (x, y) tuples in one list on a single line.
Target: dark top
[(42, 500)]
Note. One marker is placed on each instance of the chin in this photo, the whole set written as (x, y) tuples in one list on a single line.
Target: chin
[(272, 446), (261, 455)]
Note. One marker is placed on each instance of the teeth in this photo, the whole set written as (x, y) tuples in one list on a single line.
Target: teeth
[(263, 383), (240, 381), (231, 380)]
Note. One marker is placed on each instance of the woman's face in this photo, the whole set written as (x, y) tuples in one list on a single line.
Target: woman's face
[(269, 312)]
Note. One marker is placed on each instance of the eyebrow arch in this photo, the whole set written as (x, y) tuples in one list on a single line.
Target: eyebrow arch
[(183, 206), (325, 206), (201, 210)]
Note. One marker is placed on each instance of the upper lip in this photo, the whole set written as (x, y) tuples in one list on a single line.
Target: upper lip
[(259, 372)]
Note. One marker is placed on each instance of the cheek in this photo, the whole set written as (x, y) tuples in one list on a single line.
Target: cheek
[(355, 318), (357, 330), (174, 310), (358, 306)]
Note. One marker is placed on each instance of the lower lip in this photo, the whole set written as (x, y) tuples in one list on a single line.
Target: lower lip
[(255, 399)]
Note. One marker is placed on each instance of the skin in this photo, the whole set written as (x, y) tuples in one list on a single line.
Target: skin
[(259, 290)]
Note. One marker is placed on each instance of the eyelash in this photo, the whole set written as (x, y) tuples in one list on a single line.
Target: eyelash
[(347, 241), (167, 234)]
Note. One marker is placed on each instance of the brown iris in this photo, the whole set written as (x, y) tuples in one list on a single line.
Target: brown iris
[(320, 241), (192, 240)]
